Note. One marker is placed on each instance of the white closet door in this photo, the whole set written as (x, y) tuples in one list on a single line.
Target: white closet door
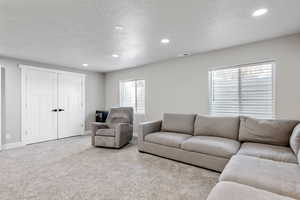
[(40, 123), (71, 105)]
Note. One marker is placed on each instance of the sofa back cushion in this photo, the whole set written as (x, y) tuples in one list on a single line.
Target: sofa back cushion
[(275, 132), (295, 139), (181, 123), (226, 127)]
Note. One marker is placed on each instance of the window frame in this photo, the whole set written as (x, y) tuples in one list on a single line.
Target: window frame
[(135, 106), (274, 92)]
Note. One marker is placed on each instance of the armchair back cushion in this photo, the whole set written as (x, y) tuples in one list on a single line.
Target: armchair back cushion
[(180, 123), (295, 139), (276, 132), (119, 115), (226, 127)]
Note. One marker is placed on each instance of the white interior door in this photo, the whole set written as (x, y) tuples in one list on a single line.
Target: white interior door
[(0, 108), (71, 105), (40, 93)]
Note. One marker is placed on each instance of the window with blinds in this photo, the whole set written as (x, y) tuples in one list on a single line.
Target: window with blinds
[(245, 90), (132, 94)]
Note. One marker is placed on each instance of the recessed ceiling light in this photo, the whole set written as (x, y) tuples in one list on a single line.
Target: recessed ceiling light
[(119, 28), (259, 12), (85, 65), (165, 41), (115, 56)]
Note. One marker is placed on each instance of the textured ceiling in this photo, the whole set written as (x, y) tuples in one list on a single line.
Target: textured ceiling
[(73, 32)]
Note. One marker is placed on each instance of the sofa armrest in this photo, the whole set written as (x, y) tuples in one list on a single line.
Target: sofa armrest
[(124, 132), (148, 127)]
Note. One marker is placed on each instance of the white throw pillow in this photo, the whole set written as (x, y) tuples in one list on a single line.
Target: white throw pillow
[(295, 139)]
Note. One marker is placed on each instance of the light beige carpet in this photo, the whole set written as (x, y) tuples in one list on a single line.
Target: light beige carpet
[(73, 169)]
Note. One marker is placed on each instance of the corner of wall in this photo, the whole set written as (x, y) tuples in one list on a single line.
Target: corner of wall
[(104, 90)]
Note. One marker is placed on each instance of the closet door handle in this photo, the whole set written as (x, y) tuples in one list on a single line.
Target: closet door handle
[(54, 110), (59, 110)]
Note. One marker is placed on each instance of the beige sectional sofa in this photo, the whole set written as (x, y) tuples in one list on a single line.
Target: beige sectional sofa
[(257, 158)]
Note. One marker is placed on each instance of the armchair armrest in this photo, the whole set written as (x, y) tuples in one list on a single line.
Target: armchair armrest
[(95, 127), (98, 124), (124, 132)]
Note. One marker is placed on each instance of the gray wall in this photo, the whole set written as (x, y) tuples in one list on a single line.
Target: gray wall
[(181, 85), (11, 126)]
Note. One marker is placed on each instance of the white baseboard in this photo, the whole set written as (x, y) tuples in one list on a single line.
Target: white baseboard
[(12, 145), (21, 144)]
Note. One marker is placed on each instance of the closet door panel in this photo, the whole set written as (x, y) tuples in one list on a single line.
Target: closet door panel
[(71, 105), (41, 100)]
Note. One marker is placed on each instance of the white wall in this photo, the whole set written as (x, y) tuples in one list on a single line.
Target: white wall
[(178, 85), (11, 127), (181, 85)]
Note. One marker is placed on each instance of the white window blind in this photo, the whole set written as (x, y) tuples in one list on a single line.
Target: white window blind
[(132, 94), (243, 90)]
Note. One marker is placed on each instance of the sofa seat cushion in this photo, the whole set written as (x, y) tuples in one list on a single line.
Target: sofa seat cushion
[(106, 132), (266, 151), (276, 132), (277, 177), (227, 127), (180, 123), (235, 191), (217, 146), (167, 138)]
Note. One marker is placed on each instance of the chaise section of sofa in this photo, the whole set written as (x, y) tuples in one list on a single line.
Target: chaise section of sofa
[(273, 176), (266, 166), (235, 191)]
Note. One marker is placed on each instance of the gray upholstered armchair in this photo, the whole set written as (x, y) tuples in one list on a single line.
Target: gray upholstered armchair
[(117, 131)]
